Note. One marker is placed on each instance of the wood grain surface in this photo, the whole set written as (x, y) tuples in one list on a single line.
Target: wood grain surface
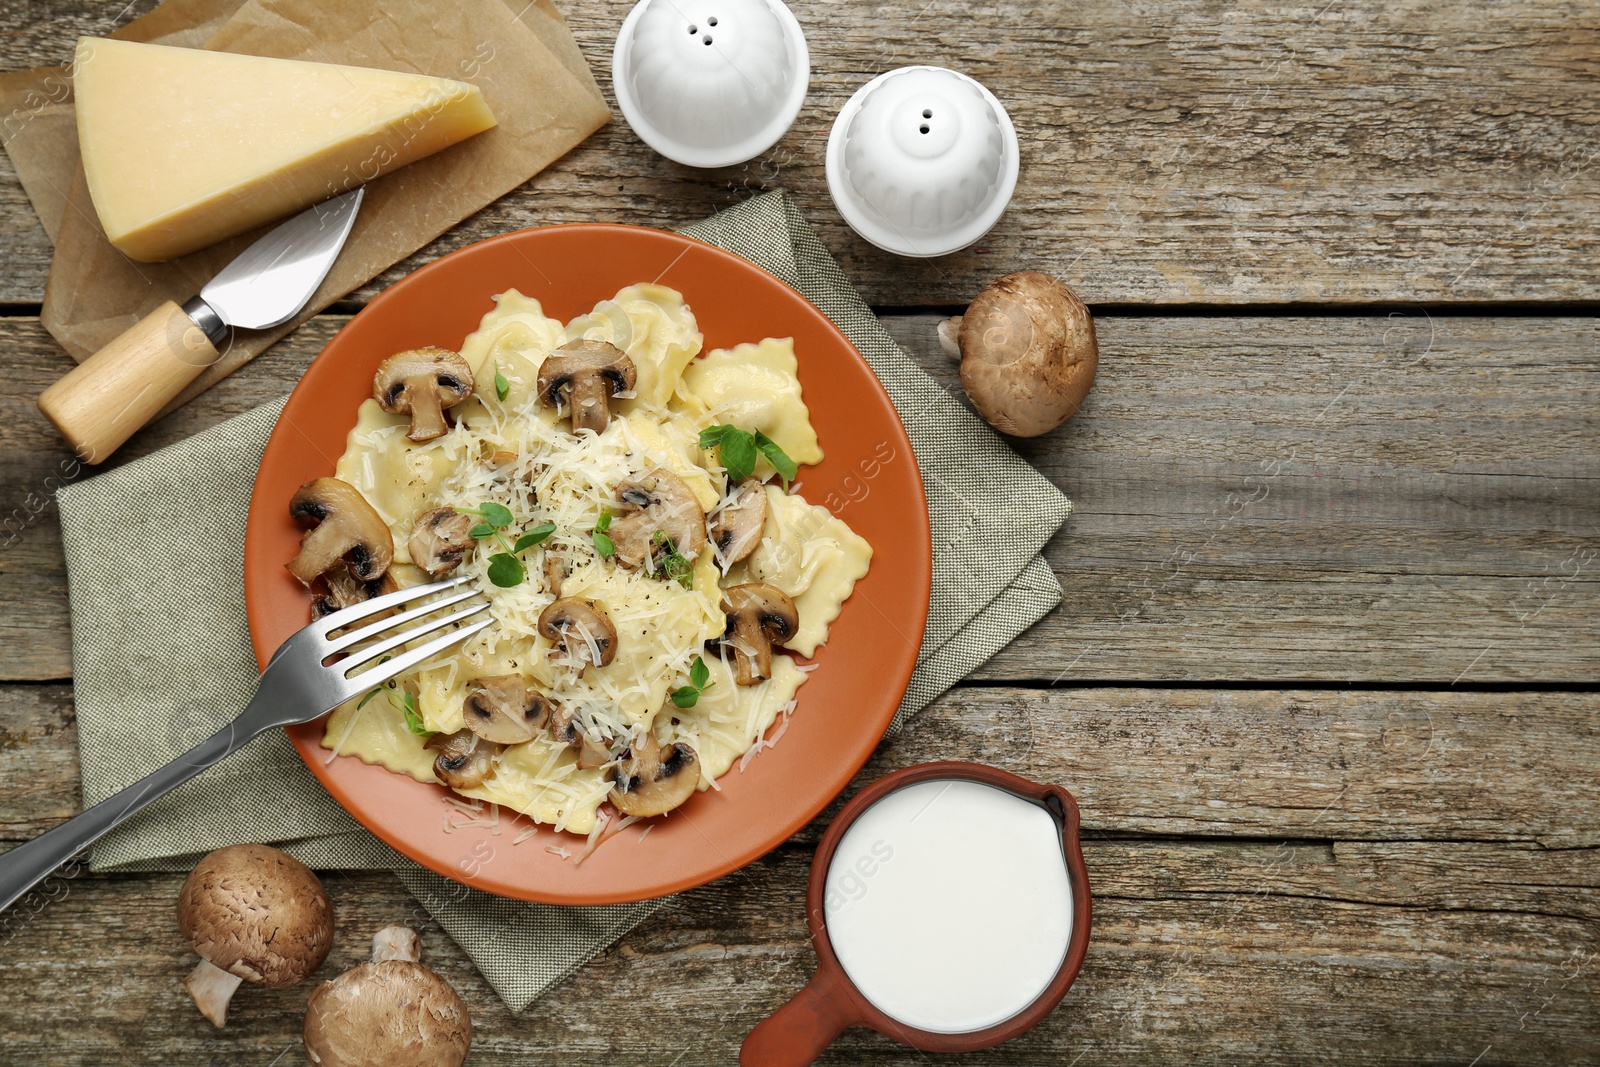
[(1326, 681), (1305, 876), (1195, 152), (1409, 499)]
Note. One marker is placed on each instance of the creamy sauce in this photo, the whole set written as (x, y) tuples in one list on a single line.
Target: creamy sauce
[(948, 905)]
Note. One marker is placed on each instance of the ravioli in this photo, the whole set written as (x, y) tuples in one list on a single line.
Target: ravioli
[(516, 453)]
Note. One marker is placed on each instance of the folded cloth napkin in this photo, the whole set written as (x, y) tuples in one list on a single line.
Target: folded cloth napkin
[(162, 653)]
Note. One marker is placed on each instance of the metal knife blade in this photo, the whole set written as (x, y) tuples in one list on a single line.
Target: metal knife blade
[(269, 282)]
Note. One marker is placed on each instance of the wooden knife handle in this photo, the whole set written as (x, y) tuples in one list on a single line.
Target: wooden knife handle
[(114, 392)]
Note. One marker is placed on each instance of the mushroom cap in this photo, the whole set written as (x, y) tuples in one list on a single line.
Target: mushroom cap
[(581, 629), (657, 502), (735, 526), (1028, 353), (422, 382), (651, 780), (256, 913), (440, 538), (586, 374), (392, 1013), (464, 760), (343, 526), (505, 709)]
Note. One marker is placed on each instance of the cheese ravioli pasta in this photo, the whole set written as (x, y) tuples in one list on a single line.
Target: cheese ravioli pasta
[(621, 500)]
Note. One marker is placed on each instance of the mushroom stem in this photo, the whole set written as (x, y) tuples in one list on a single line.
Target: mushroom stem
[(588, 400), (427, 416), (212, 988), (950, 337), (755, 650), (396, 943), (320, 550)]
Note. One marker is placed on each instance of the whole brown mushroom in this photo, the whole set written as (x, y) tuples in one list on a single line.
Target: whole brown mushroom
[(254, 914), (1028, 353), (390, 1012), (585, 375), (343, 526)]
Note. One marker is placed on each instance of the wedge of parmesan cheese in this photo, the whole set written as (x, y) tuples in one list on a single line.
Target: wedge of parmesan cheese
[(183, 147)]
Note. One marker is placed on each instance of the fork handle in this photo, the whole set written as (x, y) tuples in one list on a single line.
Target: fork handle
[(27, 865)]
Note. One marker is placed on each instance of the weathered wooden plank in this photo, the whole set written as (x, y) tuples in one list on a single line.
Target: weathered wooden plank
[(1514, 769), (1198, 152), (1252, 968), (1380, 499)]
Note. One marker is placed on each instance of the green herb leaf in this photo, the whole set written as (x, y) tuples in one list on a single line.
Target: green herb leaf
[(414, 721), (699, 681), (368, 697), (603, 545), (711, 436), (506, 570), (534, 536), (480, 531), (603, 523), (501, 386), (496, 515), (786, 467), (738, 454)]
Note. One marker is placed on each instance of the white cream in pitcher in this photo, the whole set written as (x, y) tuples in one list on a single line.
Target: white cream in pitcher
[(948, 904)]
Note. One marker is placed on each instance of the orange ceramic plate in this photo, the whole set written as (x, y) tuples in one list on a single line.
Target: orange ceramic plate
[(869, 478)]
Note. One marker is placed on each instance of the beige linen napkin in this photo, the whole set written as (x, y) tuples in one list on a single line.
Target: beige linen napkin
[(162, 651)]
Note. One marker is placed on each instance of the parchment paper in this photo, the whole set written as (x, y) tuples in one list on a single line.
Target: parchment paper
[(521, 55)]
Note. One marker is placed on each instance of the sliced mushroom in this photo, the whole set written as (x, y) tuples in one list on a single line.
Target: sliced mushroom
[(651, 780), (759, 616), (555, 572), (658, 503), (253, 914), (586, 374), (581, 629), (440, 538), (566, 729), (422, 382), (505, 709), (345, 590), (465, 759), (343, 527), (389, 1012), (736, 524)]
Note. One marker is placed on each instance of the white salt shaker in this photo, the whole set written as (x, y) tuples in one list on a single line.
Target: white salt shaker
[(922, 161), (710, 83)]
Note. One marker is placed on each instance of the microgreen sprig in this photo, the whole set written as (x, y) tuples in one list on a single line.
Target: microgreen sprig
[(739, 451), (502, 387), (506, 568), (673, 564), (688, 696), (602, 542), (406, 705)]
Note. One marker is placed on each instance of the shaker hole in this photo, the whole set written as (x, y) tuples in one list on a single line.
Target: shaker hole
[(924, 127), (693, 30), (712, 21), (927, 112), (706, 39)]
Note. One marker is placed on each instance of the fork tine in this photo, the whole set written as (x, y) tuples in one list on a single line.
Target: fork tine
[(374, 676), (405, 637), (346, 616), (355, 637)]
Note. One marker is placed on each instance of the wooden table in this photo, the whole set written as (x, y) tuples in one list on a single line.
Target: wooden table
[(1324, 681)]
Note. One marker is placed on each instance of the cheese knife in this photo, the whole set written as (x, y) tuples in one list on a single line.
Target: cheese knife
[(110, 395)]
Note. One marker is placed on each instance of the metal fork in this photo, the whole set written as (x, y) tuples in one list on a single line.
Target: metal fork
[(297, 686)]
